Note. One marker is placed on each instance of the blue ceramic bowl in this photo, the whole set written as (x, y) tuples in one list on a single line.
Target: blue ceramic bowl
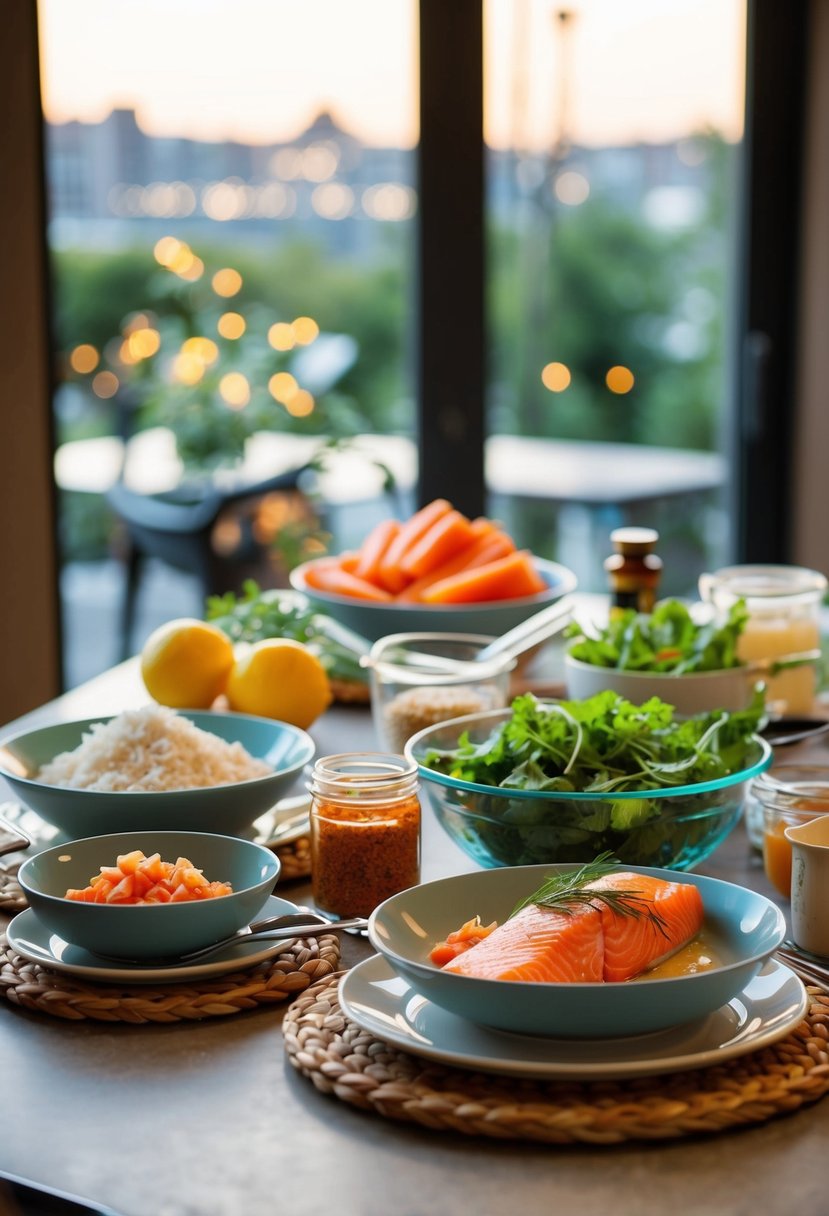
[(228, 809), (744, 927), (138, 931), (675, 827), (373, 621)]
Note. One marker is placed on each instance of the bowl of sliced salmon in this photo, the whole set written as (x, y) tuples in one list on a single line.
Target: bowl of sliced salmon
[(134, 896), (435, 570), (600, 950)]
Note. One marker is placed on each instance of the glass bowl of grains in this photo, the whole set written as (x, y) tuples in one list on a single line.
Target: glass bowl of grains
[(420, 679)]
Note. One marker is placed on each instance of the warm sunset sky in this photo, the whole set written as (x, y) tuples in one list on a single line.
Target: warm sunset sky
[(259, 70)]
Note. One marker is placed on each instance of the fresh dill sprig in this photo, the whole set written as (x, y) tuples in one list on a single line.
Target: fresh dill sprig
[(568, 891)]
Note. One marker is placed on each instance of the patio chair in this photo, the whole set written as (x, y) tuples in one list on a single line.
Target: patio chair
[(184, 530)]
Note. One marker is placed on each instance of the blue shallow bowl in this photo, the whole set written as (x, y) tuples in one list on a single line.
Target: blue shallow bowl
[(148, 931), (676, 827), (373, 621), (745, 926), (228, 809)]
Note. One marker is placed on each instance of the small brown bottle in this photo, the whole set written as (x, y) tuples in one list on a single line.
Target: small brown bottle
[(633, 570)]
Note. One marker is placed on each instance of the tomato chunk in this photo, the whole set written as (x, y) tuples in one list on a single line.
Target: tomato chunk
[(137, 879)]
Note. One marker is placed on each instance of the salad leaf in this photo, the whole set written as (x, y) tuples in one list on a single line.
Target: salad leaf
[(258, 614), (604, 744), (667, 639)]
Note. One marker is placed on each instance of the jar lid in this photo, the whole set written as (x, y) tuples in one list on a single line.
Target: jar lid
[(762, 584), (634, 541), (363, 775)]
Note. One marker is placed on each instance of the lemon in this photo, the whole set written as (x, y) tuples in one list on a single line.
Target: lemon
[(186, 663), (279, 678)]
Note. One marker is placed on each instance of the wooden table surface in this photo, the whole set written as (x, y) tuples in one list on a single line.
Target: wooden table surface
[(208, 1119)]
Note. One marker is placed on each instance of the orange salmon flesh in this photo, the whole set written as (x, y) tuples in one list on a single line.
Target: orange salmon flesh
[(592, 942)]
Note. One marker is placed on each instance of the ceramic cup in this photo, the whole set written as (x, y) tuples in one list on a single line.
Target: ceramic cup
[(810, 884)]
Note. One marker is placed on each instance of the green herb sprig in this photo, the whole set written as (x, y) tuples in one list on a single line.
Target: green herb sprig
[(572, 890), (258, 614)]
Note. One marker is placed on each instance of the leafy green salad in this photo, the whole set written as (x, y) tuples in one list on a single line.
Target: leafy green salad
[(667, 640), (602, 744), (607, 746)]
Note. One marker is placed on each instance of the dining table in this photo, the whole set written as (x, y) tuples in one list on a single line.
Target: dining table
[(209, 1118)]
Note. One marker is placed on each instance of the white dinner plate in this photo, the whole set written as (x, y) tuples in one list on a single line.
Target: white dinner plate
[(380, 1001), (28, 937)]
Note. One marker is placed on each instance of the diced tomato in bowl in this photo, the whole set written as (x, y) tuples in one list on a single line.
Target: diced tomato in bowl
[(116, 896)]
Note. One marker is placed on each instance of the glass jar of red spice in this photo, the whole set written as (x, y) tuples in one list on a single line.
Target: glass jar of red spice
[(365, 831)]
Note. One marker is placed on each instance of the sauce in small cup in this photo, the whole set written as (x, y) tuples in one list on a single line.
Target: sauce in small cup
[(790, 795)]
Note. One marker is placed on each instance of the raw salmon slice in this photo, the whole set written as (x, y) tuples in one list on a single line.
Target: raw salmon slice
[(539, 945), (590, 943), (632, 944)]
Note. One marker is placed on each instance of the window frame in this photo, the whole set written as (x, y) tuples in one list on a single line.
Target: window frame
[(451, 298)]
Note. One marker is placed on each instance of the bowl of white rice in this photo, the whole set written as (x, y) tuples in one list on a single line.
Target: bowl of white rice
[(155, 768)]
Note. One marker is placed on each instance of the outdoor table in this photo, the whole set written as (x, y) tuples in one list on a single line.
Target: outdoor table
[(208, 1118)]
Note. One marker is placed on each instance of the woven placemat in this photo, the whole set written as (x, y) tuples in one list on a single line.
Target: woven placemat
[(12, 898), (353, 1065), (303, 962), (295, 857)]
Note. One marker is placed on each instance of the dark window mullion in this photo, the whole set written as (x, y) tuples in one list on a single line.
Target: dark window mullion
[(451, 274), (773, 160)]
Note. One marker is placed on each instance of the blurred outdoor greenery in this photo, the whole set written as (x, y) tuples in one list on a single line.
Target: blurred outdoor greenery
[(590, 287)]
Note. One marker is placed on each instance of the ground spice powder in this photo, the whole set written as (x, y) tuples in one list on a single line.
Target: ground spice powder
[(361, 857), (365, 832)]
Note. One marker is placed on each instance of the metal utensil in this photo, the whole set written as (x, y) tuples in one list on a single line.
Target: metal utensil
[(516, 641), (272, 928), (807, 966), (785, 731)]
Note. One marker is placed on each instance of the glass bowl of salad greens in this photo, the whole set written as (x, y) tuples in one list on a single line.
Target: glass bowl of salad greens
[(692, 664), (564, 781)]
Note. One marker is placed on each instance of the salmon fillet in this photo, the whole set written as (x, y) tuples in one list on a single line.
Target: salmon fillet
[(632, 944), (590, 943), (539, 945)]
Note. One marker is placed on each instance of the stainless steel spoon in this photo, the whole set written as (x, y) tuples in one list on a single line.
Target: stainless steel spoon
[(271, 928)]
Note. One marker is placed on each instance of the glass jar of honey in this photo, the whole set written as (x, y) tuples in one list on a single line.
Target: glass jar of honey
[(783, 626), (789, 794), (365, 831)]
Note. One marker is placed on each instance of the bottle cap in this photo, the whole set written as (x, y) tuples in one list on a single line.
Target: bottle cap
[(634, 541)]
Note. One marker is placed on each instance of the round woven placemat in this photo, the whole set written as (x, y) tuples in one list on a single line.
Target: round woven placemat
[(12, 898), (295, 857), (354, 1066), (303, 962)]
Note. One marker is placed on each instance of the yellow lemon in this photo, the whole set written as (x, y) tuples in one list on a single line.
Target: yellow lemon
[(279, 678), (185, 663)]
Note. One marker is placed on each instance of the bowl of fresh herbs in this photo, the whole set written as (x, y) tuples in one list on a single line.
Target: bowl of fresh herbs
[(691, 663), (564, 781)]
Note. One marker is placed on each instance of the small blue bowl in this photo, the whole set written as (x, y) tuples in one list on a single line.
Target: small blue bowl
[(374, 621), (227, 809), (745, 928), (142, 931)]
